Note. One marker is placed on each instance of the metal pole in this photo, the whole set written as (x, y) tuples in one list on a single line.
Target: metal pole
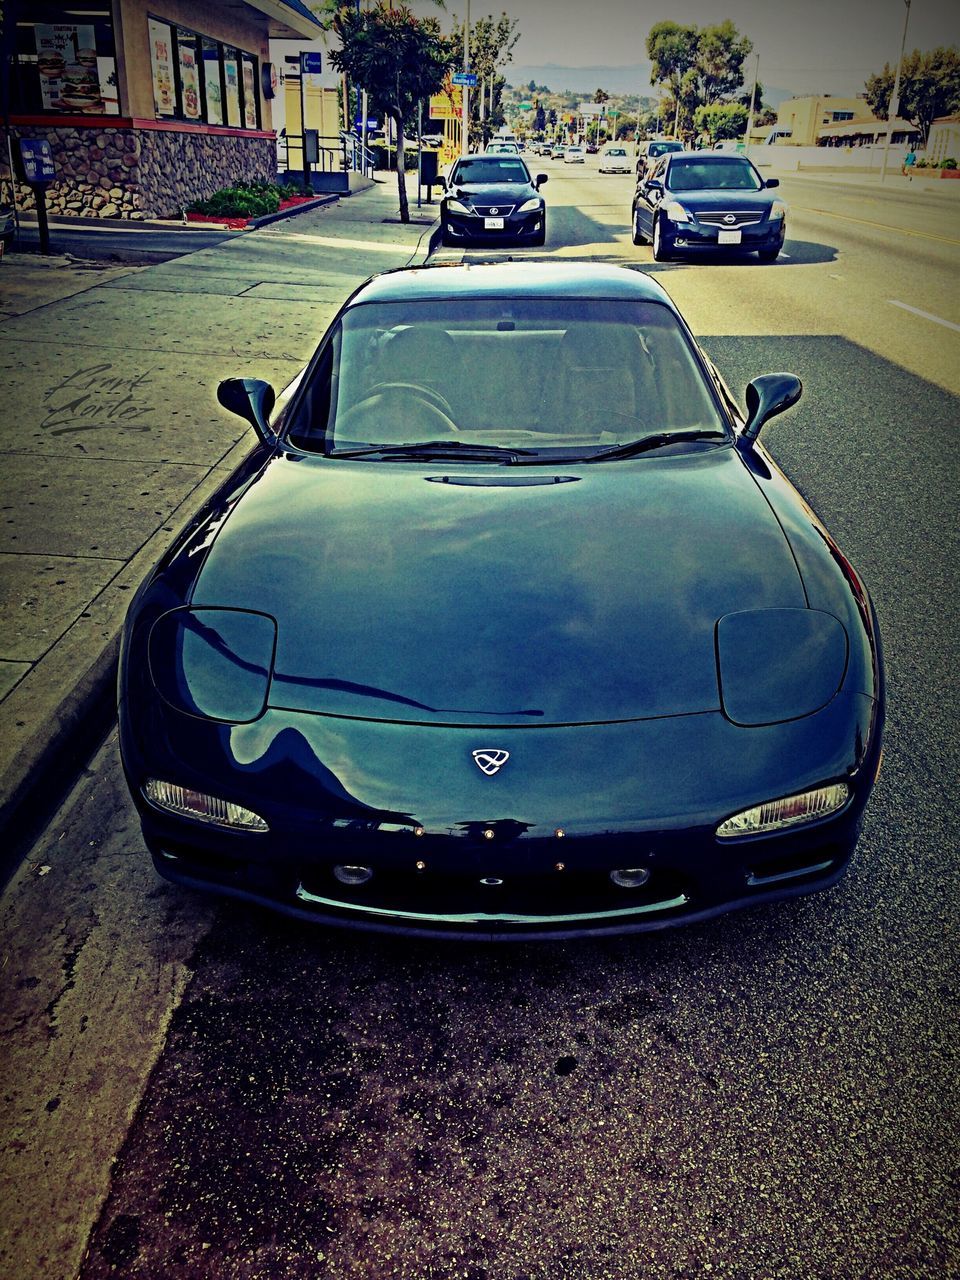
[(894, 97), (303, 132), (753, 102), (465, 140)]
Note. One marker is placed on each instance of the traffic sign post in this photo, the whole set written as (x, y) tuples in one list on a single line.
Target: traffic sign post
[(38, 171), (467, 78)]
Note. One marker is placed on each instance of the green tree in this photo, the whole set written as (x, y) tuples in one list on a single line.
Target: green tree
[(721, 120), (399, 59), (672, 50), (929, 87), (698, 66), (491, 45)]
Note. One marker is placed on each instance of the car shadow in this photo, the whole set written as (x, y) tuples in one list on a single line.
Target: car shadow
[(796, 253)]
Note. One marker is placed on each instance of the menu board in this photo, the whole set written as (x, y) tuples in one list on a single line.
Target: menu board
[(67, 63), (232, 75), (249, 95), (161, 62), (211, 84), (189, 76)]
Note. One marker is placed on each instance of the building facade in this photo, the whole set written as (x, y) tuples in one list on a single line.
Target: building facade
[(146, 104)]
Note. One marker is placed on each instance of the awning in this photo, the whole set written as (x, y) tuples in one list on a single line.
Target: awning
[(288, 18)]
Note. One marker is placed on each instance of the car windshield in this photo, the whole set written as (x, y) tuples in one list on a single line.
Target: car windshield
[(485, 169), (730, 174), (557, 377)]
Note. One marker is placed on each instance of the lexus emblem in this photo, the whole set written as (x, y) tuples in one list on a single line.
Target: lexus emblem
[(494, 211), (489, 760), (729, 217)]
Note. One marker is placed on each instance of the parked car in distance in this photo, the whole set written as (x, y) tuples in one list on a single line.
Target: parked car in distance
[(507, 627), (497, 148), (650, 150), (493, 198), (574, 154), (704, 201), (614, 159), (558, 150)]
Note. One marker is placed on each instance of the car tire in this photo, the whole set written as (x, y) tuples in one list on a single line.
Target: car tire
[(769, 255), (660, 251), (638, 236)]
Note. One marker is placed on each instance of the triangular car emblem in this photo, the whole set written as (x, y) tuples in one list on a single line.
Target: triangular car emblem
[(490, 760)]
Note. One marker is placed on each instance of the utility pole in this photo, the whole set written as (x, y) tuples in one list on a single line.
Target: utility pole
[(753, 104), (894, 97), (465, 140)]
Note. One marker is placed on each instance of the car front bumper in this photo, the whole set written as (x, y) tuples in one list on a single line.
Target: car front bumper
[(686, 237), (517, 227), (521, 855)]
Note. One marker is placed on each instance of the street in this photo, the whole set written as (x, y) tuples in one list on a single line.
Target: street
[(198, 1089)]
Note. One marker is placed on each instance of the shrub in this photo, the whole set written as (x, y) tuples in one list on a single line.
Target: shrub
[(949, 163), (246, 200), (921, 164)]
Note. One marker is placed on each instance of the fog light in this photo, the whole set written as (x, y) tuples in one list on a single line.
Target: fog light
[(347, 874), (630, 877), (204, 808)]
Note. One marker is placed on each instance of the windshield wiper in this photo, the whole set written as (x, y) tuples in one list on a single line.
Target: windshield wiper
[(657, 441), (428, 450)]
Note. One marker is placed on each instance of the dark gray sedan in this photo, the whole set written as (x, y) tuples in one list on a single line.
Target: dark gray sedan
[(493, 199), (696, 201)]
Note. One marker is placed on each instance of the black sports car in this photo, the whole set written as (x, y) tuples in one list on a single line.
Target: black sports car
[(696, 201), (507, 627), (493, 199)]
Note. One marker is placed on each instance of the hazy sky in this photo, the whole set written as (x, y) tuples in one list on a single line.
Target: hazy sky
[(818, 46)]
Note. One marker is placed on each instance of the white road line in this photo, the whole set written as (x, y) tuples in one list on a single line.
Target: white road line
[(948, 324)]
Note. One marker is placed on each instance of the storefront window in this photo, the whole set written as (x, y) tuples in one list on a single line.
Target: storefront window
[(64, 61), (198, 79)]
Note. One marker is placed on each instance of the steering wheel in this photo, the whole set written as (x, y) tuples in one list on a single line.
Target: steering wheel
[(425, 398), (415, 389)]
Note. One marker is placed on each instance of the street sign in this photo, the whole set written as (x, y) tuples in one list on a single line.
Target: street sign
[(465, 77), (311, 64), (37, 159)]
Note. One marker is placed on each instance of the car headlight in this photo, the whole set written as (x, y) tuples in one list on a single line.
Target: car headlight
[(790, 811), (454, 206), (675, 211), (213, 663), (188, 803), (529, 206), (778, 210)]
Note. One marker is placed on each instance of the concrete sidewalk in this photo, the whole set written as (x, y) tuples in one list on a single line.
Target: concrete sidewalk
[(111, 434)]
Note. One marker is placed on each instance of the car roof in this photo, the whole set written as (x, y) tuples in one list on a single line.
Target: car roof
[(512, 279)]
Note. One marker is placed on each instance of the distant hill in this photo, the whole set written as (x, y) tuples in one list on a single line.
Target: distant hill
[(632, 79)]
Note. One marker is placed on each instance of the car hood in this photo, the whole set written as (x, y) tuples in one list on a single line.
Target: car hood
[(494, 192), (498, 596), (707, 198)]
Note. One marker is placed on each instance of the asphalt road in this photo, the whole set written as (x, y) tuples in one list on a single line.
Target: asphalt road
[(769, 1096)]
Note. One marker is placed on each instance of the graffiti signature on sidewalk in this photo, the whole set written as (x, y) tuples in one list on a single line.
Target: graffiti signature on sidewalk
[(93, 398)]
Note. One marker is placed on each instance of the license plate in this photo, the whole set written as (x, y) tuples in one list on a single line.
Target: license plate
[(728, 237), (494, 224)]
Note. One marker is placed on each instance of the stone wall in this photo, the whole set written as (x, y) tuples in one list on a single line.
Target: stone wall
[(176, 168), (110, 172)]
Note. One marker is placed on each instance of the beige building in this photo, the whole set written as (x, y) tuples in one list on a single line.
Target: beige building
[(807, 118), (944, 140), (146, 104)]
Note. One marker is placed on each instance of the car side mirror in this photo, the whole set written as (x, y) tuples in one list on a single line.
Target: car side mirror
[(653, 190), (541, 179), (767, 396), (251, 399), (772, 182)]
